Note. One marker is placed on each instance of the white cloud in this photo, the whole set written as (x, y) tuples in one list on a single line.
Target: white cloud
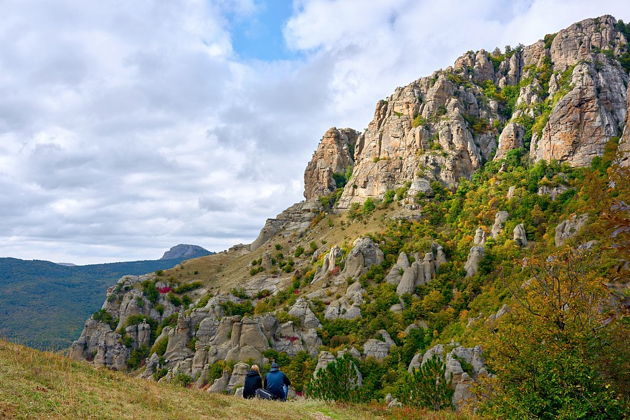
[(127, 127)]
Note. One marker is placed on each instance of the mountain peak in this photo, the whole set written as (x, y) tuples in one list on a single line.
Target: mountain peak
[(185, 251)]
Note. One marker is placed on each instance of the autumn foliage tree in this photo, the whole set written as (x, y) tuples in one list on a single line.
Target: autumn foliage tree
[(546, 351)]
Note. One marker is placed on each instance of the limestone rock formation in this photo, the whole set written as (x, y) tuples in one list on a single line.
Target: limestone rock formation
[(347, 306), (395, 273), (520, 236), (475, 256), (499, 219), (421, 271), (334, 155), (364, 254), (511, 138), (330, 264), (185, 251), (569, 227), (295, 219), (480, 237)]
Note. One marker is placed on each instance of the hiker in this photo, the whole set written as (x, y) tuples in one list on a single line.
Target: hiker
[(277, 383), (253, 382)]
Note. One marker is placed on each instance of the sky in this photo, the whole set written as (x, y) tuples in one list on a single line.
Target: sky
[(127, 127)]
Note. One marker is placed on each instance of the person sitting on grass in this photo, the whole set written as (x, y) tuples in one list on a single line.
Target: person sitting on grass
[(277, 383), (253, 382)]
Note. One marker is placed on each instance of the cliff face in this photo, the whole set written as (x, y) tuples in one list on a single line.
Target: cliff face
[(561, 98)]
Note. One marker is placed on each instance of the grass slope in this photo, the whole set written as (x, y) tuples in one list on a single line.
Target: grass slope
[(36, 384)]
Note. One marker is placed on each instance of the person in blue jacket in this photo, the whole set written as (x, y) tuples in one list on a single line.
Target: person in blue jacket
[(277, 383)]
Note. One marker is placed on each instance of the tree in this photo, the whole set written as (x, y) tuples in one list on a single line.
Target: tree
[(340, 380), (545, 351), (427, 386)]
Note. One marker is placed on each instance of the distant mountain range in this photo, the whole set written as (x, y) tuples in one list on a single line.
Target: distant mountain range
[(44, 304)]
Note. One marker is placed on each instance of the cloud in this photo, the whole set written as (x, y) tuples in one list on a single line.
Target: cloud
[(128, 127)]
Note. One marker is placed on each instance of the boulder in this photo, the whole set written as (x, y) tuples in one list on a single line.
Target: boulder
[(480, 237), (220, 384), (396, 272), (329, 266), (238, 376), (300, 309)]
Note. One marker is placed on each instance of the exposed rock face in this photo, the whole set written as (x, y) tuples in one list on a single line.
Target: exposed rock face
[(443, 127), (623, 152), (568, 228), (348, 306), (295, 219), (421, 271), (475, 256), (334, 155), (461, 380), (511, 138), (363, 255), (301, 310), (185, 251), (329, 265), (395, 273), (378, 349), (552, 192), (520, 236), (583, 120), (499, 219), (480, 237)]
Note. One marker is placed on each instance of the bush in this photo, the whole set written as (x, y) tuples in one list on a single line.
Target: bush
[(339, 381), (159, 346), (188, 287), (150, 291), (182, 379), (137, 356), (174, 299), (242, 309), (103, 316)]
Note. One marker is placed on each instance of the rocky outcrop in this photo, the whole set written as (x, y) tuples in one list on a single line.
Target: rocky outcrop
[(347, 306), (329, 267), (378, 349), (520, 236), (444, 126), (475, 256), (334, 156), (511, 138), (364, 254), (623, 151), (396, 272), (461, 380), (421, 271), (569, 227), (295, 219), (499, 219), (301, 310)]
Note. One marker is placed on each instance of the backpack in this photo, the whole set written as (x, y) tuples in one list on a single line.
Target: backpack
[(263, 394)]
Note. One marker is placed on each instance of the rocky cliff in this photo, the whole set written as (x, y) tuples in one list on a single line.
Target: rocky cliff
[(561, 98)]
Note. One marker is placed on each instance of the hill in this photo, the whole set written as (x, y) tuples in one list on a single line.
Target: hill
[(44, 305), (35, 384), (470, 247)]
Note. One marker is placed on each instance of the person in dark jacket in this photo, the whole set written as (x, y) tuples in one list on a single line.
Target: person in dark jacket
[(277, 383), (253, 382)]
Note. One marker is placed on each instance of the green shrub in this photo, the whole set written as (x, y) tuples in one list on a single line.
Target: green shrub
[(239, 293), (159, 374), (242, 309), (103, 316), (150, 291), (136, 357), (182, 379), (298, 251), (174, 299), (159, 346), (187, 287)]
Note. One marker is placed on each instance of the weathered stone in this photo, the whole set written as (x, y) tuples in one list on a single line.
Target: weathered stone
[(220, 384), (330, 264), (511, 138), (480, 237), (569, 228), (295, 219), (520, 236), (475, 256), (396, 272), (238, 376), (334, 155), (364, 254), (301, 310), (499, 219)]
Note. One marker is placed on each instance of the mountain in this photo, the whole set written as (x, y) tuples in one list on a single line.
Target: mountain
[(43, 304), (470, 247), (183, 251)]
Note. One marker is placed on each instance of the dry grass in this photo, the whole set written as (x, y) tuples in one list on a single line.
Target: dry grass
[(42, 385)]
